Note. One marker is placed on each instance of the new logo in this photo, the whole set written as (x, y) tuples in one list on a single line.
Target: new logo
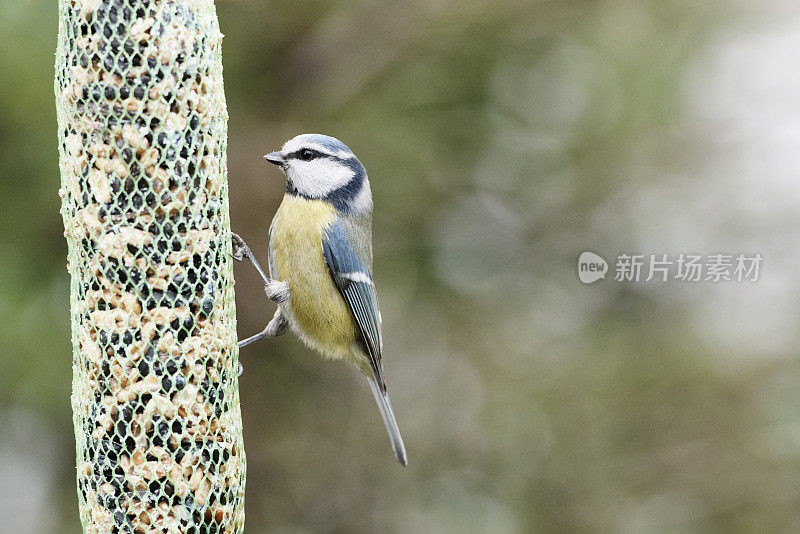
[(591, 267)]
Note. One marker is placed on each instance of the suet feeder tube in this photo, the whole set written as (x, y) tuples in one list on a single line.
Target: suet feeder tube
[(142, 137)]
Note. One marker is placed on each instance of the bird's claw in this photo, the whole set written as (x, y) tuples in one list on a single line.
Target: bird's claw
[(239, 247)]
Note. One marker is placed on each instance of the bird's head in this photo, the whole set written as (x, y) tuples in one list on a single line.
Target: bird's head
[(322, 167)]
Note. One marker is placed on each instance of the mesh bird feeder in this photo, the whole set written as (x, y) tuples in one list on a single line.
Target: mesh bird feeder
[(142, 137)]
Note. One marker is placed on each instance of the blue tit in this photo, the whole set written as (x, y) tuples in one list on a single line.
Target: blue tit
[(320, 262)]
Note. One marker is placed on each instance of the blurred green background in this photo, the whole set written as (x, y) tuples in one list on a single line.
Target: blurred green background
[(502, 139)]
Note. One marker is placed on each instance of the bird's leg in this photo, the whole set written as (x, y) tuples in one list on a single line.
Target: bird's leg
[(276, 290), (276, 327), (241, 251)]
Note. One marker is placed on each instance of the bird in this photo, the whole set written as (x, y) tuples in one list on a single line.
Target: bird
[(320, 263)]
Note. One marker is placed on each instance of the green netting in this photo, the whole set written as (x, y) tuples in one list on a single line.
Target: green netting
[(142, 132)]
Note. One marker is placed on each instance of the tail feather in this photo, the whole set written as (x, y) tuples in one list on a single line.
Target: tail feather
[(382, 399)]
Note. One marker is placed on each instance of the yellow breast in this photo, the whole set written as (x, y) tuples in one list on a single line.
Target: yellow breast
[(316, 309)]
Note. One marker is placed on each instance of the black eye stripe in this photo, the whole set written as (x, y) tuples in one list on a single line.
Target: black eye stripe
[(306, 154), (316, 154)]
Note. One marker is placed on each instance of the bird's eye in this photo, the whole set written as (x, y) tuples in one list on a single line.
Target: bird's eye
[(306, 154)]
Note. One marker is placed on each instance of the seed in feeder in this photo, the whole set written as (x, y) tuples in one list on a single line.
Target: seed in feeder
[(180, 382)]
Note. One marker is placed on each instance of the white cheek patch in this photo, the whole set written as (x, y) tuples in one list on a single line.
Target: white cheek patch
[(317, 177)]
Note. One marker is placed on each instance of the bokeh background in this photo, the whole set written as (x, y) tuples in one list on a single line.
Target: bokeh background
[(502, 139)]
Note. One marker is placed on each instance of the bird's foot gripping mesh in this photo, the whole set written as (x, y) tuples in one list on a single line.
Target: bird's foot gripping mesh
[(142, 129)]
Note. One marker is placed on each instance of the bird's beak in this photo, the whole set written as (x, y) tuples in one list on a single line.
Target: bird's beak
[(276, 158)]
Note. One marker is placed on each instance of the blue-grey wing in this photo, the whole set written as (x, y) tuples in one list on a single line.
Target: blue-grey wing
[(354, 280)]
